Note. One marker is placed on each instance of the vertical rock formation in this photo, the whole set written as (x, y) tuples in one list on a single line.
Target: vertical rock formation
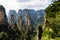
[(3, 20), (40, 23), (44, 21), (20, 21), (12, 21), (29, 22)]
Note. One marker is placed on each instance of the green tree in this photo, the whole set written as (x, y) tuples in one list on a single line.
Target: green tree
[(52, 13)]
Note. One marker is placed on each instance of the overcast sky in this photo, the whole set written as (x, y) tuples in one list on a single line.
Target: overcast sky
[(25, 4)]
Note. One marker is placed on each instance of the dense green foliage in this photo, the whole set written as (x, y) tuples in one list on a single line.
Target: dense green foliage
[(53, 18)]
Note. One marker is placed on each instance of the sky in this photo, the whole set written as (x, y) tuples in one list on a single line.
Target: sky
[(25, 4)]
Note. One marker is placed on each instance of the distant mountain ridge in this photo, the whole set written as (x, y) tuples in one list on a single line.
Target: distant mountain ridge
[(34, 15)]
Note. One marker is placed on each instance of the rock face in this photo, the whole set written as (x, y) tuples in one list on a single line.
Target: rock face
[(26, 21), (13, 12), (34, 15), (3, 20), (12, 21)]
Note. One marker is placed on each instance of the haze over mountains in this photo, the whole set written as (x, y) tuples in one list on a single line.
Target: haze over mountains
[(34, 15)]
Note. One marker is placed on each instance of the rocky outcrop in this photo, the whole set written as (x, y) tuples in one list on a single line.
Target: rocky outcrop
[(3, 20)]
